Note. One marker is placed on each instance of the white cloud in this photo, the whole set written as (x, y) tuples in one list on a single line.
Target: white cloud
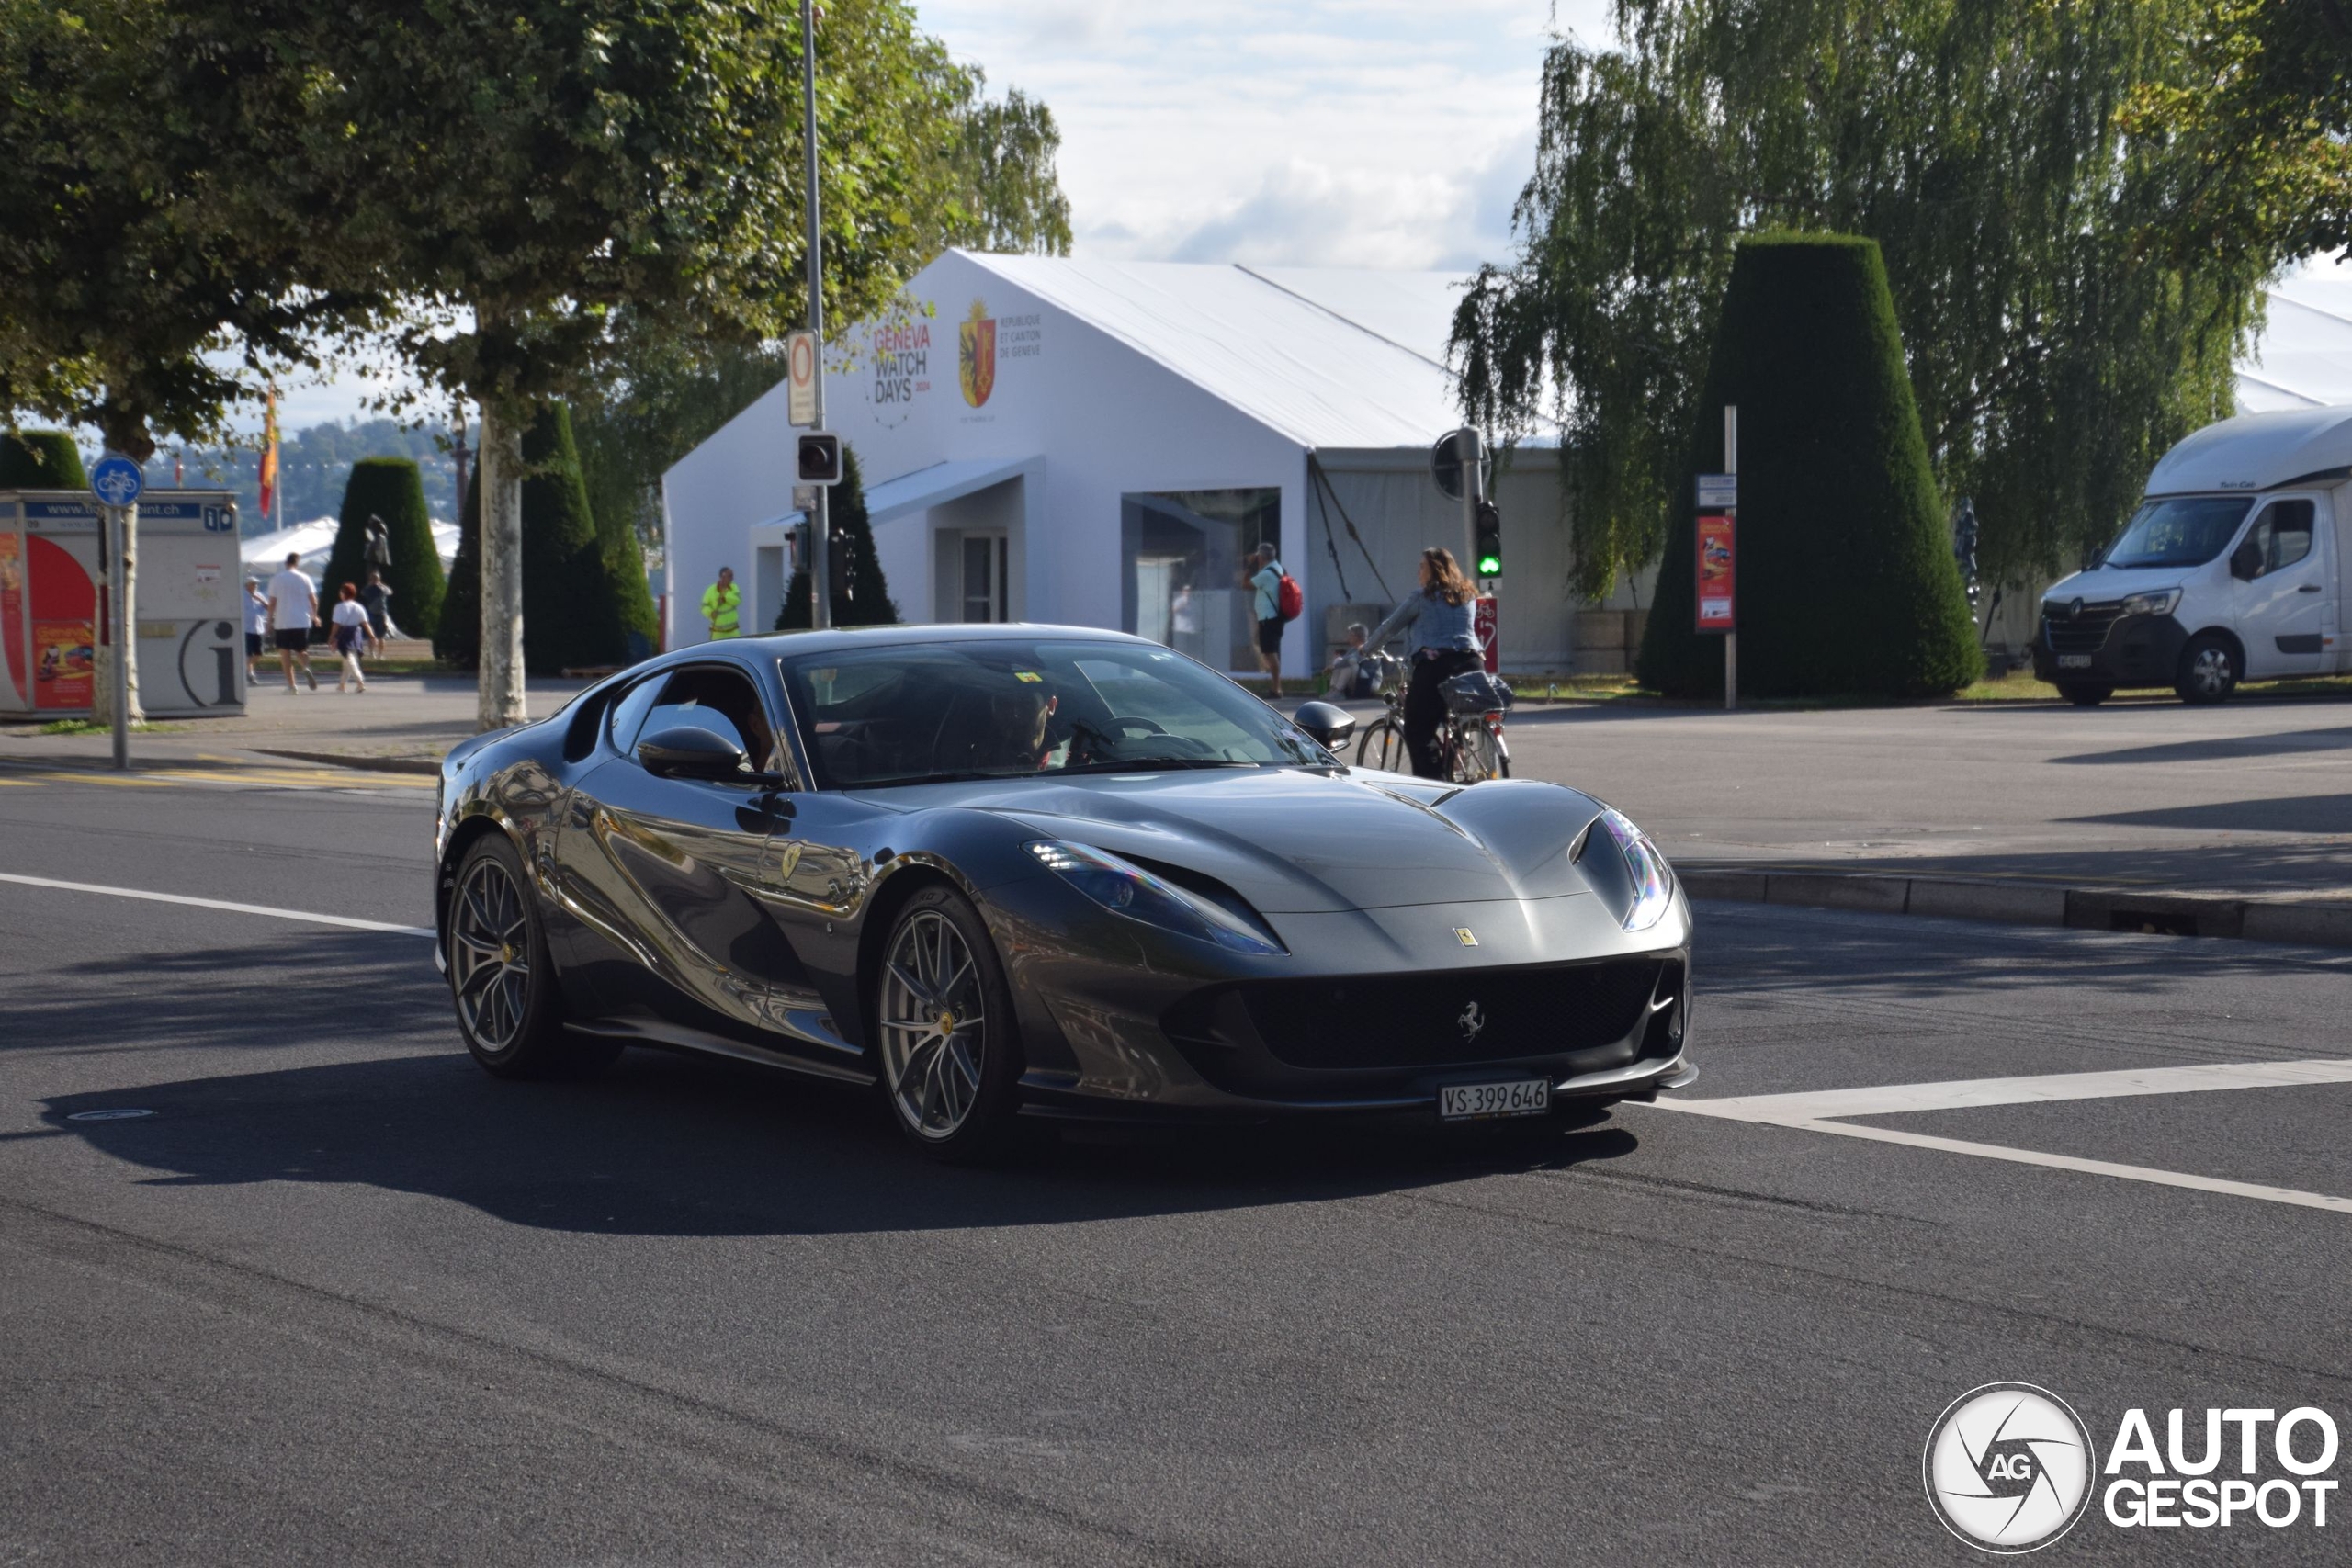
[(1366, 133)]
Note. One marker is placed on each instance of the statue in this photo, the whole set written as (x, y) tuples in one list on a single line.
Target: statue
[(380, 542)]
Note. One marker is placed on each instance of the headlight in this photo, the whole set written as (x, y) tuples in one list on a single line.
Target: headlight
[(2159, 603), (1652, 883), (1129, 890)]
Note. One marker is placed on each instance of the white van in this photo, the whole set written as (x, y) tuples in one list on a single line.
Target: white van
[(2232, 569)]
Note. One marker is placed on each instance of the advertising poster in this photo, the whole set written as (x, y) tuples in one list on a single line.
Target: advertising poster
[(1716, 595), (12, 612), (64, 664)]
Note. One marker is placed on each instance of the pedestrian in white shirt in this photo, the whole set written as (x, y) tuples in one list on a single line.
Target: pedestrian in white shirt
[(351, 631), (256, 626), (293, 611)]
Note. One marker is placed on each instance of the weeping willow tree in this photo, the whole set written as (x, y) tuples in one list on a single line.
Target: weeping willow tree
[(2052, 353)]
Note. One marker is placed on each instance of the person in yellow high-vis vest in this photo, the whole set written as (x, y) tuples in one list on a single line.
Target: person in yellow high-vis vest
[(722, 606)]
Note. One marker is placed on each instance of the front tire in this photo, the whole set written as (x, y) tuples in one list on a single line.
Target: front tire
[(2209, 670), (510, 1008), (950, 1049), (1382, 746), (2084, 695)]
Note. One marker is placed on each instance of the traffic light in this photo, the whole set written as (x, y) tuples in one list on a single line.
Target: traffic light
[(821, 459), (1488, 551)]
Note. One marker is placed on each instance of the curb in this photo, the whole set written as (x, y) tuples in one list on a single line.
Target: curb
[(2032, 903), (346, 759)]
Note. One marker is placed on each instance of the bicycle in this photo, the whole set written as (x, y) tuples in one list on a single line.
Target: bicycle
[(1470, 745)]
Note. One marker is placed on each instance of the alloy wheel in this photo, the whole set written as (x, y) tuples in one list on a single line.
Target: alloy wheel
[(935, 1026), (2210, 671), (490, 954)]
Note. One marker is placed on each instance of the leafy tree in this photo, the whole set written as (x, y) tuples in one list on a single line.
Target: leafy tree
[(41, 460), (1008, 197), (456, 636), (2052, 357), (392, 489), (1846, 579), (2260, 122), (864, 599)]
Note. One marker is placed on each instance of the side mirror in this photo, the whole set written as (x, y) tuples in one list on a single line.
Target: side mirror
[(1327, 722), (690, 751), (2245, 561)]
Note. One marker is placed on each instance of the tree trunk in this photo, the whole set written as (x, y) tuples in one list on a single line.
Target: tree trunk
[(108, 649), (500, 666)]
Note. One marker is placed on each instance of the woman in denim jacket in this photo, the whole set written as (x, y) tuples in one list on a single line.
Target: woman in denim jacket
[(1443, 643)]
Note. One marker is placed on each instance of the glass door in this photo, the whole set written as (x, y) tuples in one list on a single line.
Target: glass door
[(986, 559)]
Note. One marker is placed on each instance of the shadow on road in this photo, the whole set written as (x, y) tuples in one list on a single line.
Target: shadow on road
[(679, 1145), (2218, 748)]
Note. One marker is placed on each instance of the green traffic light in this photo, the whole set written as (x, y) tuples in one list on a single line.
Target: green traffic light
[(1491, 566)]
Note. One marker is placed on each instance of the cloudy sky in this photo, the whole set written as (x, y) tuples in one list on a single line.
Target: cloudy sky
[(1344, 132)]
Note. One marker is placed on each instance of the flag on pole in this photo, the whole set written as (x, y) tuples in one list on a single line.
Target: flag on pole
[(269, 455)]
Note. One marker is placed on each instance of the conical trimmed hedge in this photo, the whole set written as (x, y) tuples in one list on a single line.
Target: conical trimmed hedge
[(866, 598), (393, 489), (575, 593), (41, 460), (1846, 579)]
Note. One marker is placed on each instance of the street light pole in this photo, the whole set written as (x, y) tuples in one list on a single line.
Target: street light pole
[(821, 580)]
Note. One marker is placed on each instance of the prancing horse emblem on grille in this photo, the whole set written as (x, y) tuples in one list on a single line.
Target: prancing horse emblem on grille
[(1471, 1023), (1463, 935)]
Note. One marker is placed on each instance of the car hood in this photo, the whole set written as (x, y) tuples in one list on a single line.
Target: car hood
[(2104, 585), (1296, 841)]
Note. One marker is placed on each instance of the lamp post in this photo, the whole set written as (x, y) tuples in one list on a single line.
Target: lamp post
[(820, 613)]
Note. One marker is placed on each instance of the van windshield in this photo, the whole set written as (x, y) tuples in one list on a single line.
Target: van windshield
[(2179, 530)]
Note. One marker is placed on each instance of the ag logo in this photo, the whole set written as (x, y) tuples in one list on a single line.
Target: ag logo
[(2008, 1467)]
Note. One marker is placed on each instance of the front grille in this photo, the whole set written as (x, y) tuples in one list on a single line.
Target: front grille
[(1430, 1020), (2085, 633)]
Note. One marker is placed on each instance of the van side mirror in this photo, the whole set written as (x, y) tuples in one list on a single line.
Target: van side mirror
[(1327, 722), (2245, 561), (690, 751)]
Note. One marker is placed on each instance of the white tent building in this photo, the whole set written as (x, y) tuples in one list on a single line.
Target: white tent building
[(1099, 443)]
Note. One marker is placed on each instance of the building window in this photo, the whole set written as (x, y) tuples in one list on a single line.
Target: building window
[(1183, 555)]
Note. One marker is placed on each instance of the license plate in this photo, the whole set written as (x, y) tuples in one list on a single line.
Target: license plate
[(1475, 1101), (2074, 661)]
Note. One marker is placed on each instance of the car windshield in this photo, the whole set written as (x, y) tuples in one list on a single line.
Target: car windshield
[(921, 713), (2179, 530)]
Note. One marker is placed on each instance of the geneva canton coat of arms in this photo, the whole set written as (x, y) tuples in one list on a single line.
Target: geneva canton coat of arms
[(975, 355)]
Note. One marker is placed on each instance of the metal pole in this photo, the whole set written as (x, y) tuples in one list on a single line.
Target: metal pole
[(118, 630), (1731, 638), (821, 581), (1466, 445)]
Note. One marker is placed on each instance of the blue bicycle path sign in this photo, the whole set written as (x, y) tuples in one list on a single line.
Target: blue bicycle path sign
[(116, 481)]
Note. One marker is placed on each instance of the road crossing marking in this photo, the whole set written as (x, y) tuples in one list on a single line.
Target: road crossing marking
[(264, 910), (1814, 1112)]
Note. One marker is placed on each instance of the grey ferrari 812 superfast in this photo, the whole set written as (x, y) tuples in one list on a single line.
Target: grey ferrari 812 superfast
[(1012, 874)]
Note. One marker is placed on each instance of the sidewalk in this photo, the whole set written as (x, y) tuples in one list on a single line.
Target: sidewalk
[(405, 722)]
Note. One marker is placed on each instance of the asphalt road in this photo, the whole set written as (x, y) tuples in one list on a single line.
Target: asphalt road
[(342, 1298)]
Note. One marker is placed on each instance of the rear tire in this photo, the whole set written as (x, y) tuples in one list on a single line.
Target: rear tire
[(508, 994), (954, 1092), (2083, 696), (2209, 670), (1483, 755)]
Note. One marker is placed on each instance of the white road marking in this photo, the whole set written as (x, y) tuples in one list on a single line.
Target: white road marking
[(1893, 1099), (1811, 1113), (217, 903)]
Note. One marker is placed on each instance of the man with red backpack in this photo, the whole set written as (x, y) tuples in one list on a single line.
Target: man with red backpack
[(1276, 601)]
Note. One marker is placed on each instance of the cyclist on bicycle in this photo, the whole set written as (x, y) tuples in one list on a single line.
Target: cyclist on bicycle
[(1443, 643)]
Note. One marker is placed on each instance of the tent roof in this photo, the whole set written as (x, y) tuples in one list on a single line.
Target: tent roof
[(1329, 356)]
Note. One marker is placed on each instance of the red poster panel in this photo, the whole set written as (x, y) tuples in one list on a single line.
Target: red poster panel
[(1716, 594), (1484, 613), (64, 604)]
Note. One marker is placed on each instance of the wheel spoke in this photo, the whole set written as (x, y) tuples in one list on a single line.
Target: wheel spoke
[(476, 975), (915, 989)]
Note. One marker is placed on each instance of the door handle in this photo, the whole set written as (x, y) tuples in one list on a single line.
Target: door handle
[(2309, 588)]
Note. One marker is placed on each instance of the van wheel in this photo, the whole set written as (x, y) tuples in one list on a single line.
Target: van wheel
[(2209, 670), (2083, 696)]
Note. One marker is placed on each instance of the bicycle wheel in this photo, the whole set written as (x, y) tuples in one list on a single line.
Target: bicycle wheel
[(1481, 754), (1382, 745)]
